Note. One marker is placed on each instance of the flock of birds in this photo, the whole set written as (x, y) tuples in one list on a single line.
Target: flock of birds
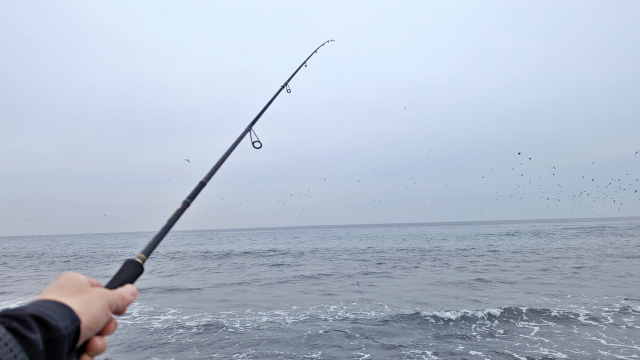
[(596, 191), (542, 185), (534, 184)]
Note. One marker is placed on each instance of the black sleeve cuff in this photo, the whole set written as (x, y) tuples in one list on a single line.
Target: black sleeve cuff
[(10, 349), (45, 329)]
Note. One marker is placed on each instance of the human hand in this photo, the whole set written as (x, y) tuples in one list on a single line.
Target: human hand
[(94, 306)]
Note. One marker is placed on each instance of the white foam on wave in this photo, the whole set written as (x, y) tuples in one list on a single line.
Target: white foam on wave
[(517, 356), (420, 355), (313, 356), (630, 322), (243, 355), (552, 353), (605, 353), (606, 342), (457, 314), (582, 316), (176, 324)]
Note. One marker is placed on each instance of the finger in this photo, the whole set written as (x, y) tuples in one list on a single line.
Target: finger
[(86, 356), (93, 282), (120, 298), (71, 276), (109, 328), (96, 346)]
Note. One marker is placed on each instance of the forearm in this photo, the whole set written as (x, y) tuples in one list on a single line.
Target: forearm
[(45, 330)]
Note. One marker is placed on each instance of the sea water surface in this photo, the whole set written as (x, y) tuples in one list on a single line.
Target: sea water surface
[(554, 289)]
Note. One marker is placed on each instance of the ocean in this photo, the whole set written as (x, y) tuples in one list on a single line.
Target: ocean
[(546, 289)]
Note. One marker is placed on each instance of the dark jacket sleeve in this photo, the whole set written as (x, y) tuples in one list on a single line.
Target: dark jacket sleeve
[(45, 329)]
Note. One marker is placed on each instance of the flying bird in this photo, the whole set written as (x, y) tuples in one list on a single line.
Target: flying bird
[(188, 161)]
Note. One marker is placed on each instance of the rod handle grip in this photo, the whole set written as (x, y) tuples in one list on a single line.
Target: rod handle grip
[(129, 272)]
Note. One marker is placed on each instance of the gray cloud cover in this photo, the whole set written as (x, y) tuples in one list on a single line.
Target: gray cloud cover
[(415, 114)]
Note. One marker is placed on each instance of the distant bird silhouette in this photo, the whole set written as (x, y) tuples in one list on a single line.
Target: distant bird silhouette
[(188, 161), (518, 153)]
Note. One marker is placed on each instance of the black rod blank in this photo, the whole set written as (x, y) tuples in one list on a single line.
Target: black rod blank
[(133, 268)]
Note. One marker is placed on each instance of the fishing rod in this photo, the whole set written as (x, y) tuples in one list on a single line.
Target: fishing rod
[(132, 268)]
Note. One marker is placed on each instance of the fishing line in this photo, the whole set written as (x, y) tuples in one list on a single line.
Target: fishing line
[(335, 59), (267, 122), (132, 268)]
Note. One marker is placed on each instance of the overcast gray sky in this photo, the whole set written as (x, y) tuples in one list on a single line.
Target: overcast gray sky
[(416, 113)]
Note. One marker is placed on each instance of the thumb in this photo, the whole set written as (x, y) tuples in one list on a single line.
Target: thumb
[(120, 298)]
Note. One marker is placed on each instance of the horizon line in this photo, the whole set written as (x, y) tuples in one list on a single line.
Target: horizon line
[(335, 225)]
